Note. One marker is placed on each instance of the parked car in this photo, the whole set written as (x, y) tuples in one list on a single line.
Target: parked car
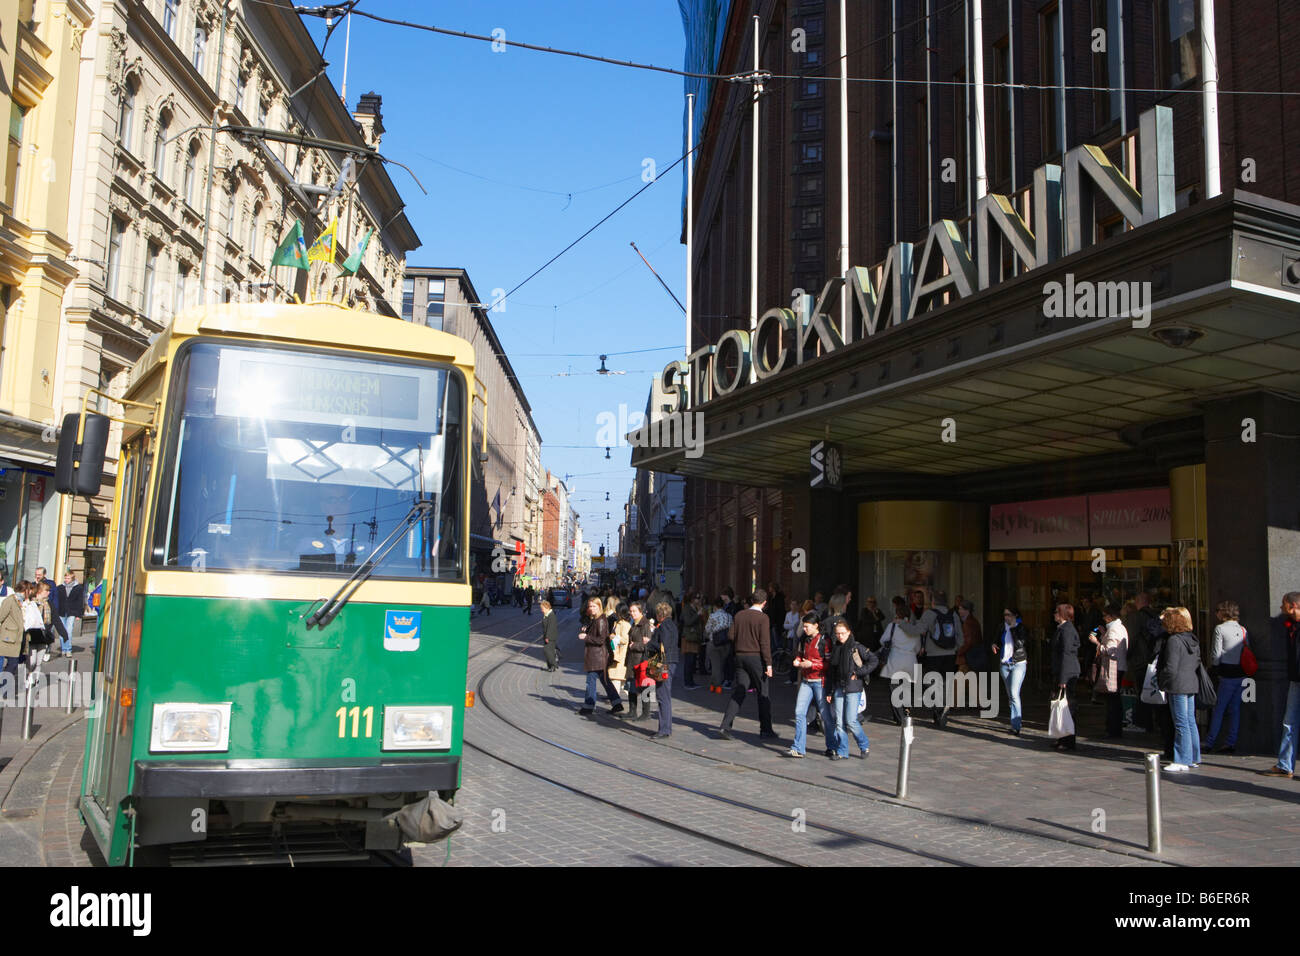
[(561, 597)]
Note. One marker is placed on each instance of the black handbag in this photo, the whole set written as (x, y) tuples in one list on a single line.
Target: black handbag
[(1206, 695)]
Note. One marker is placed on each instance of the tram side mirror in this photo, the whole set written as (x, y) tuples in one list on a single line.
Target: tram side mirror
[(79, 468)]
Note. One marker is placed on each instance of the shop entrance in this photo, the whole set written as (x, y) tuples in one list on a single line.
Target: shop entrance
[(1036, 581)]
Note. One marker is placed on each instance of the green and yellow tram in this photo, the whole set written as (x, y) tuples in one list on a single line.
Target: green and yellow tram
[(282, 658)]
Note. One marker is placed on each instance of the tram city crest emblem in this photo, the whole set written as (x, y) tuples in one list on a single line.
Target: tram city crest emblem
[(401, 630)]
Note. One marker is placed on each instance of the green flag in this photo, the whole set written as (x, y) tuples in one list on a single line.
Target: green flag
[(353, 262), (292, 250)]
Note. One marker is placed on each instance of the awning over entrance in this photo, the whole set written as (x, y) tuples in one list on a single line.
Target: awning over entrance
[(1022, 387)]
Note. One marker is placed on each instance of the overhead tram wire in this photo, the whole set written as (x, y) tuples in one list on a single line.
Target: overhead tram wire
[(747, 75)]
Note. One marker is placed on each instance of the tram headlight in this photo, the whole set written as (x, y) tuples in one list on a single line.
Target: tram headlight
[(191, 727), (417, 728)]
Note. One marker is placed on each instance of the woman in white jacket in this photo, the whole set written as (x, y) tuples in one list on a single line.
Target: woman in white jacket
[(902, 642)]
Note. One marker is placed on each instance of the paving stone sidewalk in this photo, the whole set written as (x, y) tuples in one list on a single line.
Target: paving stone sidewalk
[(779, 815), (973, 772)]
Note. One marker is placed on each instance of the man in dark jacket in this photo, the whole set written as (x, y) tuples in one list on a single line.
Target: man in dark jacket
[(1290, 627), (665, 636), (550, 636), (871, 627), (1065, 664), (70, 599), (751, 638)]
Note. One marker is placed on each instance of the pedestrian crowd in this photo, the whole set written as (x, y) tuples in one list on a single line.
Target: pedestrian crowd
[(38, 619), (635, 642)]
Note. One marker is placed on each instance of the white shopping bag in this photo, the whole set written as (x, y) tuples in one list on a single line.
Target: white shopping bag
[(1151, 694), (1060, 724)]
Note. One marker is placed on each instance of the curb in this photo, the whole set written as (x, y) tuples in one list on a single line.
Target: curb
[(13, 770)]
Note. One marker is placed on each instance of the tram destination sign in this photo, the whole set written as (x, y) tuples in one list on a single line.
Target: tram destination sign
[(915, 277)]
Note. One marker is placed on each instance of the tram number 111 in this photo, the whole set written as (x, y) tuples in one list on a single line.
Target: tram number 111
[(356, 713)]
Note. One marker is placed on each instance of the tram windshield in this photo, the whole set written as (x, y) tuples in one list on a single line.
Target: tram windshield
[(290, 460)]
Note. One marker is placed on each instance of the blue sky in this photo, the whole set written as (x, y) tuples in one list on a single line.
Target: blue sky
[(556, 125)]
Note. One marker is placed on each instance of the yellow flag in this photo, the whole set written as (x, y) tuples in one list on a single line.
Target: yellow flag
[(322, 250)]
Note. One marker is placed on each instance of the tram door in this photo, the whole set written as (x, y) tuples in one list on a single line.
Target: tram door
[(109, 758)]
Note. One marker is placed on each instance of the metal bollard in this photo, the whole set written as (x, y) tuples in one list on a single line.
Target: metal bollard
[(1153, 803), (72, 683), (904, 758), (27, 703)]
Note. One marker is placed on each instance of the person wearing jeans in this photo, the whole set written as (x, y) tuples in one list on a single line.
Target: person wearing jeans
[(1225, 657), (595, 639), (810, 667), (1178, 678), (665, 636), (1291, 719), (1012, 661), (846, 670), (1187, 740)]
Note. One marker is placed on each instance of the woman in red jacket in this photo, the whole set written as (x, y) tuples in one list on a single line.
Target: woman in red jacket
[(809, 665)]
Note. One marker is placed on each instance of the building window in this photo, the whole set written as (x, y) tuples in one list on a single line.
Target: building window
[(1179, 42), (1107, 68), (433, 316), (810, 152), (408, 299), (1049, 47), (182, 278), (252, 233), (811, 121), (1109, 228), (263, 109), (160, 145), (810, 250), (230, 216), (191, 161), (922, 160), (200, 46), (810, 185), (1001, 111), (961, 134), (17, 117), (116, 230), (171, 9), (814, 26), (150, 274), (812, 88), (126, 114), (810, 217), (241, 83), (813, 58)]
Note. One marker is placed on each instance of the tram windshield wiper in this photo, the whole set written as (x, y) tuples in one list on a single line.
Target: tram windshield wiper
[(330, 609)]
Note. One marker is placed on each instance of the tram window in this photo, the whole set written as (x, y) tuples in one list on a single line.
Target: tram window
[(297, 461)]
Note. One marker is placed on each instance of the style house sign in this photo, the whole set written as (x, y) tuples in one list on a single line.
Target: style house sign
[(1063, 200)]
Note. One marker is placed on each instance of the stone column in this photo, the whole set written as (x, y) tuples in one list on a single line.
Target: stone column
[(1252, 464)]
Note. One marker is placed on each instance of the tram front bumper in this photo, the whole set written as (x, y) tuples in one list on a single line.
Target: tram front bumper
[(230, 779)]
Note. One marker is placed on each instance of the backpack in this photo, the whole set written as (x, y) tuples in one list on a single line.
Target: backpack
[(946, 629)]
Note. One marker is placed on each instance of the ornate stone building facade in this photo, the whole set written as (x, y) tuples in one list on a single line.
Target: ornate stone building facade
[(168, 215), (40, 45)]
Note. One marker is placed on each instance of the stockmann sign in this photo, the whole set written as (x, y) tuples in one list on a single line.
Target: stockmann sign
[(1063, 202)]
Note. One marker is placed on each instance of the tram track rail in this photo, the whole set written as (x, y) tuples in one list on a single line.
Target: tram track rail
[(733, 802), (740, 804)]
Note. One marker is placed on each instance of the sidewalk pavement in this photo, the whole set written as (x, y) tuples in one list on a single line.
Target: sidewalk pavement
[(40, 778)]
